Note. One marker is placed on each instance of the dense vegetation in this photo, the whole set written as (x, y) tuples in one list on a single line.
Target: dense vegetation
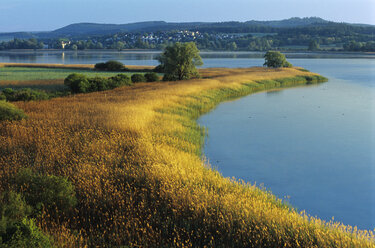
[(275, 59), (179, 61), (9, 112), (127, 168), (294, 34), (32, 195), (79, 83), (25, 94), (110, 65)]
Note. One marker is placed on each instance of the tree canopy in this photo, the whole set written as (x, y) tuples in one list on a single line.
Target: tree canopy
[(275, 59), (179, 61)]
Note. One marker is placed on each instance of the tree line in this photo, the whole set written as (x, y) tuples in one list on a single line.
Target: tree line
[(221, 37)]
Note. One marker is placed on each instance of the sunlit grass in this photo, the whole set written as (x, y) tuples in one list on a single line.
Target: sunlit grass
[(134, 157)]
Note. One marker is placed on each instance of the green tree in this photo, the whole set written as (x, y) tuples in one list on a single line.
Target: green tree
[(179, 61), (119, 45), (314, 45), (136, 78), (232, 46), (275, 59), (77, 83)]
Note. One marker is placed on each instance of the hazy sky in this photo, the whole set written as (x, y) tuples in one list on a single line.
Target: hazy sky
[(45, 15)]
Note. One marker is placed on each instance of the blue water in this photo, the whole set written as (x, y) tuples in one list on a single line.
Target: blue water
[(312, 146)]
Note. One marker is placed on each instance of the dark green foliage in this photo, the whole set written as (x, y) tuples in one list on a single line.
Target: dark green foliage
[(314, 45), (136, 78), (275, 59), (50, 192), (118, 81), (13, 208), (100, 66), (2, 97), (24, 95), (110, 65), (159, 69), (287, 64), (10, 112), (179, 61), (152, 77), (16, 230), (79, 83)]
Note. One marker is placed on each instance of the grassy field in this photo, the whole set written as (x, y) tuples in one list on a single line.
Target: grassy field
[(50, 77), (133, 156), (29, 73)]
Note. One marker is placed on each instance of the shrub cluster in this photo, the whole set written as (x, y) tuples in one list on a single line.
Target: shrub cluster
[(110, 65), (29, 194), (9, 112), (152, 77), (26, 94), (137, 78), (16, 229), (79, 83)]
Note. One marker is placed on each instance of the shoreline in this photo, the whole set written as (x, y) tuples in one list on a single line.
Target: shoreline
[(319, 52)]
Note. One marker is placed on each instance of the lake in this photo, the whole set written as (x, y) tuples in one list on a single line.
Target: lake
[(312, 146)]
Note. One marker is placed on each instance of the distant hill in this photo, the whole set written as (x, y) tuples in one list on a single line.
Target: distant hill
[(96, 29), (291, 22)]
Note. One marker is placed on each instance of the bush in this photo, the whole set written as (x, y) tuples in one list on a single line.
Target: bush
[(24, 95), (15, 229), (81, 84), (2, 97), (45, 191), (26, 234), (10, 112), (110, 65), (100, 66), (152, 77), (77, 83), (136, 78), (120, 80), (159, 69)]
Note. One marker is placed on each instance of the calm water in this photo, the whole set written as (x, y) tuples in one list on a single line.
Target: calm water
[(313, 144)]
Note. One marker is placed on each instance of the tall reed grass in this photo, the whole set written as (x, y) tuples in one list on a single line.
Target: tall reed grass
[(133, 155)]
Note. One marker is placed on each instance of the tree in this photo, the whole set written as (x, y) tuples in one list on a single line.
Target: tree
[(275, 59), (77, 83), (179, 61), (313, 45)]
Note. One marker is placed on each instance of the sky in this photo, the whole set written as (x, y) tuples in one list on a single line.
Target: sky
[(48, 15)]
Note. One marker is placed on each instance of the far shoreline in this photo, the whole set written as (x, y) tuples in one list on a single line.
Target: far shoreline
[(202, 51)]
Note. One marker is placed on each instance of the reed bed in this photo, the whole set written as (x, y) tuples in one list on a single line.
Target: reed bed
[(133, 155)]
